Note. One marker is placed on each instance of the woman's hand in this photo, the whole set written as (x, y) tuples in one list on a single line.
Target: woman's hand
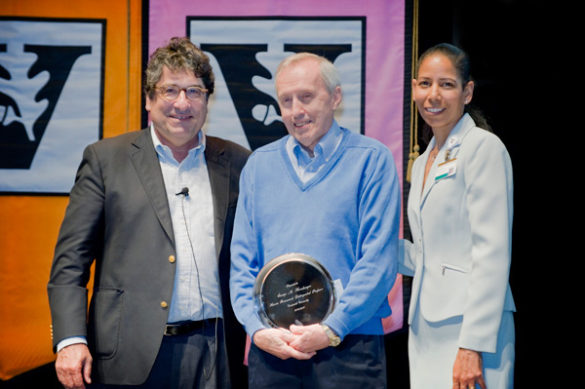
[(468, 370)]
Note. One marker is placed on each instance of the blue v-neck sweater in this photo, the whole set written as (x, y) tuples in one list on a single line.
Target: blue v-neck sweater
[(347, 217)]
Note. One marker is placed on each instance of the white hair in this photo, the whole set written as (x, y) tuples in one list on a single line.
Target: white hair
[(329, 73)]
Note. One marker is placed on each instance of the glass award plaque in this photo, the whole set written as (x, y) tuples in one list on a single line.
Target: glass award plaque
[(294, 289)]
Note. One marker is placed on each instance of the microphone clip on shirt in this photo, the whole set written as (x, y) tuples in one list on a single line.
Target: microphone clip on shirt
[(184, 192)]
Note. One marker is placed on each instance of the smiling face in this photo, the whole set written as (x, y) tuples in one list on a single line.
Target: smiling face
[(439, 93), (306, 105), (177, 123)]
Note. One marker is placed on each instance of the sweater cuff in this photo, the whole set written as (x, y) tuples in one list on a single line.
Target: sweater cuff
[(254, 325), (337, 325)]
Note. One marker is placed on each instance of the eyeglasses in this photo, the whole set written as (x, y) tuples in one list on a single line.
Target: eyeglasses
[(171, 92)]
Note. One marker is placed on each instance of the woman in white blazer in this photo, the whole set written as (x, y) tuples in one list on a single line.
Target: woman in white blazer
[(461, 332)]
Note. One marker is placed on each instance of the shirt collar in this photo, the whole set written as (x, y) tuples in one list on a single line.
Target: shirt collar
[(165, 151), (323, 149)]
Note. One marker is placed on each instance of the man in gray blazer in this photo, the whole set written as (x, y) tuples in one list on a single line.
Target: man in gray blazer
[(154, 209)]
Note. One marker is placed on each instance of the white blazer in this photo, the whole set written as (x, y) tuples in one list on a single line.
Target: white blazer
[(461, 224)]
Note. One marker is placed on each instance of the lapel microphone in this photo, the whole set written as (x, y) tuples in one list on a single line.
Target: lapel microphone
[(184, 192)]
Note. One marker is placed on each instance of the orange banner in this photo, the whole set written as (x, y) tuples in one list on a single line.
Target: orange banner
[(29, 223)]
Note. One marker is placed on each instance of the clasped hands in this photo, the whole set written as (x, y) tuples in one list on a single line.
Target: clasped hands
[(299, 342)]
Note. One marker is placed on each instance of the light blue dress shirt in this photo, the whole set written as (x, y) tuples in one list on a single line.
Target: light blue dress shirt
[(306, 166), (196, 292)]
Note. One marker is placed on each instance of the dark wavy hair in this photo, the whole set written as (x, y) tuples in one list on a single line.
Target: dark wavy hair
[(462, 64), (180, 54)]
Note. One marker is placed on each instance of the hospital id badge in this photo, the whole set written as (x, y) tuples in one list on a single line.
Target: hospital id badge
[(446, 169)]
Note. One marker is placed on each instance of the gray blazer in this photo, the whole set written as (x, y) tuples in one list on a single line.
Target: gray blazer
[(461, 224), (118, 213)]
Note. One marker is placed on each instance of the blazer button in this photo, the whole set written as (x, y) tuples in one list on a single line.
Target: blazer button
[(172, 259), (164, 304)]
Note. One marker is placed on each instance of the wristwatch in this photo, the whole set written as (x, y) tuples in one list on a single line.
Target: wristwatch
[(333, 339)]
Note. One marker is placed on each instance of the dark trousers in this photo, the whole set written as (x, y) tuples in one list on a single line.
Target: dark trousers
[(358, 362), (194, 360)]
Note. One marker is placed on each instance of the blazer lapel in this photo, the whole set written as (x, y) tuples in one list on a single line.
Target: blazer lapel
[(218, 169), (145, 161), (452, 145)]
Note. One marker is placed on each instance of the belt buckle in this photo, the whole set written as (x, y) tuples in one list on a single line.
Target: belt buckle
[(170, 330)]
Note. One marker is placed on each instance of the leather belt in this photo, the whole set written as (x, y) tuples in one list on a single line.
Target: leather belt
[(187, 327)]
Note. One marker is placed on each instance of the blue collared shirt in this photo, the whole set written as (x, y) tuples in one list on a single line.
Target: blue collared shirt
[(306, 166), (196, 292)]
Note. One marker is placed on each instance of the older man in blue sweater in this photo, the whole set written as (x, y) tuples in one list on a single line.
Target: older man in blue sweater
[(334, 195)]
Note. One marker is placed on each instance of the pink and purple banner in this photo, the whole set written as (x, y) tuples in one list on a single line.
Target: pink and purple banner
[(246, 40)]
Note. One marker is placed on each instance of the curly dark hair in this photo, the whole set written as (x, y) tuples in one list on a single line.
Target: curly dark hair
[(180, 54)]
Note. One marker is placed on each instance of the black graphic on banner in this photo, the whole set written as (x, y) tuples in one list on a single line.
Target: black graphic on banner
[(16, 149), (51, 100)]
